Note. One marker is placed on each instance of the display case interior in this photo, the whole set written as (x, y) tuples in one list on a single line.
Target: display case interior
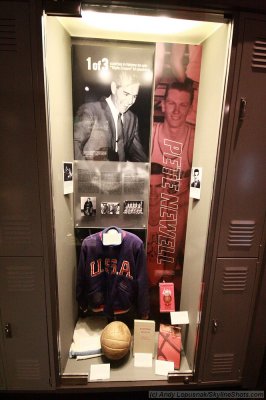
[(131, 195)]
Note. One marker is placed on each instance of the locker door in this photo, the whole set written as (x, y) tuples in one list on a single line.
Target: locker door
[(22, 300), (245, 197), (229, 319), (20, 232)]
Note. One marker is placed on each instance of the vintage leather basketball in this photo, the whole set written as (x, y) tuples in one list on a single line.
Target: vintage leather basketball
[(115, 340)]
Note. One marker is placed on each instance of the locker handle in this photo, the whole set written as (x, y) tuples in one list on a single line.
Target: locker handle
[(242, 109), (214, 325), (8, 331)]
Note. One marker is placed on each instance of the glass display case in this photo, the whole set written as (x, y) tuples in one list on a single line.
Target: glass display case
[(147, 193)]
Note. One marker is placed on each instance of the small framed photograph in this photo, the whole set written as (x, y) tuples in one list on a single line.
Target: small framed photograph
[(88, 206), (196, 182), (110, 208), (133, 207), (68, 177)]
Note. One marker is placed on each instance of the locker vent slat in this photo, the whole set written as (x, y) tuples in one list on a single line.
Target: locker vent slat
[(234, 279), (222, 363), (27, 370), (241, 233), (259, 55), (8, 42), (15, 231), (21, 278)]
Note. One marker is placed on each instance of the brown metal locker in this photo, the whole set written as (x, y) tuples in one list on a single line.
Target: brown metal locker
[(24, 340), (245, 197), (237, 262)]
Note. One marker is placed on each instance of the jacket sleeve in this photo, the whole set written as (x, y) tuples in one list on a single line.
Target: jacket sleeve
[(143, 303), (134, 148), (81, 280), (83, 125)]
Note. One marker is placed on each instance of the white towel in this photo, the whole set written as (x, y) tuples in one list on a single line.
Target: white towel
[(86, 338)]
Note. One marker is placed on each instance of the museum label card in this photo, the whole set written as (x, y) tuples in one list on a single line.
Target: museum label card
[(179, 318), (143, 360), (99, 372), (163, 367)]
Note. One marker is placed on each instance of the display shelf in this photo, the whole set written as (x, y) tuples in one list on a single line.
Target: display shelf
[(124, 370)]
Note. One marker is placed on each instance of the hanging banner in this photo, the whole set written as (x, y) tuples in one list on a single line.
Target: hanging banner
[(112, 99), (177, 73)]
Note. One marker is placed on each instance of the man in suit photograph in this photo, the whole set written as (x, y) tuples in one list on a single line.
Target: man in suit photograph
[(196, 182), (107, 129), (88, 207)]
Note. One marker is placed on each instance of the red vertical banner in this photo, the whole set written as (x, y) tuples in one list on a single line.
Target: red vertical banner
[(177, 76)]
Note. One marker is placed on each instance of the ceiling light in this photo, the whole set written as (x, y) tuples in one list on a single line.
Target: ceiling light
[(137, 23)]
